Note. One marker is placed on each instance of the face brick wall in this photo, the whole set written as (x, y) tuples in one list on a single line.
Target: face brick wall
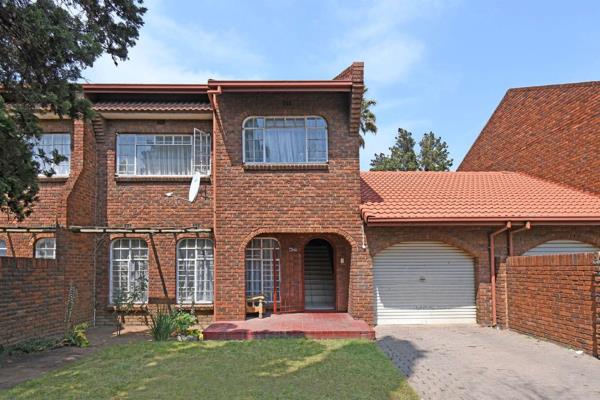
[(552, 132), (253, 202), (554, 297), (474, 241), (141, 202), (32, 302)]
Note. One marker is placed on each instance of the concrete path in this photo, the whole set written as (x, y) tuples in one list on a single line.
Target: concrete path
[(472, 362)]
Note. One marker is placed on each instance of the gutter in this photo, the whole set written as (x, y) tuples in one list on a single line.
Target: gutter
[(492, 252)]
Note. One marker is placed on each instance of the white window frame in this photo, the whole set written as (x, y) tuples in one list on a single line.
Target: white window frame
[(3, 248), (112, 259), (203, 138), (268, 296), (208, 285), (264, 162), (37, 144), (40, 252)]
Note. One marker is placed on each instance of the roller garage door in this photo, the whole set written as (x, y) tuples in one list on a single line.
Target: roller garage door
[(561, 247), (424, 283)]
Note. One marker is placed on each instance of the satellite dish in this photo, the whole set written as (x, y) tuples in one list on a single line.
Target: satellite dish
[(194, 187)]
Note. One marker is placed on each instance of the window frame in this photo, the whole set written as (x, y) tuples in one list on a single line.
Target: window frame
[(197, 134), (306, 117), (44, 240), (37, 143), (261, 259), (195, 289), (3, 248), (111, 272)]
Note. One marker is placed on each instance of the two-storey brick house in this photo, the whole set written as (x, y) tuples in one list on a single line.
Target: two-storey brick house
[(282, 209)]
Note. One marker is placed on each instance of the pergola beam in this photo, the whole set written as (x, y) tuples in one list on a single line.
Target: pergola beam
[(27, 229), (106, 229)]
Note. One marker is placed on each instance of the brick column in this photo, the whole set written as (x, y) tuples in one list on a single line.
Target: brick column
[(596, 293)]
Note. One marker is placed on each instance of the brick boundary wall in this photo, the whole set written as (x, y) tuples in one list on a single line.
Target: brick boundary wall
[(554, 297), (32, 301)]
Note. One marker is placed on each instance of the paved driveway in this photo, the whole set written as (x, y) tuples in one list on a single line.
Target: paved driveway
[(472, 362)]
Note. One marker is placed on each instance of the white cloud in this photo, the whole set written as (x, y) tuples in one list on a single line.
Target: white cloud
[(169, 52)]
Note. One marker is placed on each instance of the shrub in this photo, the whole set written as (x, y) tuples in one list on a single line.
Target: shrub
[(182, 322), (77, 336)]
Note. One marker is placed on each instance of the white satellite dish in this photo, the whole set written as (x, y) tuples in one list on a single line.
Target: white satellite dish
[(194, 187)]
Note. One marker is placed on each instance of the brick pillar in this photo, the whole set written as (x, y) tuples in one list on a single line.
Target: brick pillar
[(596, 294), (360, 304), (230, 279)]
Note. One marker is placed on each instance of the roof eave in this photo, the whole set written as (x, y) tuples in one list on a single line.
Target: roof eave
[(282, 86), (375, 221)]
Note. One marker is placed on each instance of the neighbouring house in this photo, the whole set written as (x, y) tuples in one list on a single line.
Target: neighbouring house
[(282, 210), (552, 132)]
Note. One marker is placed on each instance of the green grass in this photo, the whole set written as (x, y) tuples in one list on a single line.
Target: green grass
[(261, 369)]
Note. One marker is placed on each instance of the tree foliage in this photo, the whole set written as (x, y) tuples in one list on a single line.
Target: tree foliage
[(402, 155), (45, 46), (368, 120), (433, 155)]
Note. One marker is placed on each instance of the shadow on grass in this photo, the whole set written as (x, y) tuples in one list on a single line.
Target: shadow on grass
[(265, 369)]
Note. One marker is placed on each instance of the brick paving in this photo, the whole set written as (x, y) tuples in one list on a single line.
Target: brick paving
[(473, 362)]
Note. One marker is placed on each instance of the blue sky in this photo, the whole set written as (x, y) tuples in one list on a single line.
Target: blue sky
[(431, 65)]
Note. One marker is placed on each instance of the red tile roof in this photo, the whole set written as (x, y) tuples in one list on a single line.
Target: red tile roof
[(403, 197), (139, 106)]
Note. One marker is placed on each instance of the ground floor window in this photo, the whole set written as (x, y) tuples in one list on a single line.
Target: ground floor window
[(2, 248), (195, 271), (262, 256), (45, 248), (129, 268)]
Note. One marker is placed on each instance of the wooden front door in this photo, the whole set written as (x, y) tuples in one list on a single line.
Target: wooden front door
[(291, 291)]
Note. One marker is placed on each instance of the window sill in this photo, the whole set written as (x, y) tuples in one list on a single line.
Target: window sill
[(53, 179), (285, 167), (187, 179)]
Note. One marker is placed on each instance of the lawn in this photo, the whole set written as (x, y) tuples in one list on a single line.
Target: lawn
[(261, 369)]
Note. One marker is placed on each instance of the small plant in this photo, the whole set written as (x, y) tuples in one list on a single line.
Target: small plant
[(126, 300), (162, 325), (32, 346), (77, 336), (71, 297), (182, 322)]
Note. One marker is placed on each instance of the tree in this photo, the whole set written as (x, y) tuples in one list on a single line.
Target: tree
[(402, 155), (434, 154), (44, 47), (368, 121)]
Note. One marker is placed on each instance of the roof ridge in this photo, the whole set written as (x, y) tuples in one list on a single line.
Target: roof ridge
[(555, 86)]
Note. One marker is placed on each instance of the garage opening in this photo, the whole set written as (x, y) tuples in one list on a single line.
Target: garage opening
[(424, 282), (319, 284), (561, 247)]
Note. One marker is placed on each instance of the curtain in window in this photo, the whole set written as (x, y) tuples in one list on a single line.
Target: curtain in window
[(45, 248), (285, 140), (2, 248), (195, 271)]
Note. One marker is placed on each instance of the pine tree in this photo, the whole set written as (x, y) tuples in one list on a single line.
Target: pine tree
[(434, 155), (402, 155)]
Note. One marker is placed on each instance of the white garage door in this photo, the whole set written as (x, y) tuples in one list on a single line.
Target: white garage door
[(560, 247), (424, 283)]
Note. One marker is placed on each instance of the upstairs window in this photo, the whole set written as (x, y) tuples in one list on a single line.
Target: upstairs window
[(163, 155), (285, 140), (48, 142), (45, 248)]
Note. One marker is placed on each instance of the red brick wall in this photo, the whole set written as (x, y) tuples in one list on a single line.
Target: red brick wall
[(32, 302), (141, 202), (554, 297), (475, 242), (551, 132), (250, 202)]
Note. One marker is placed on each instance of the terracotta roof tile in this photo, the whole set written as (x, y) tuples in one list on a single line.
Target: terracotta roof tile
[(471, 197), (152, 106)]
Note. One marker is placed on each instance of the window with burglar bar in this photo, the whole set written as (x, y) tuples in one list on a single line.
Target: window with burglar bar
[(163, 155), (195, 271), (262, 256), (129, 267), (45, 248), (285, 140)]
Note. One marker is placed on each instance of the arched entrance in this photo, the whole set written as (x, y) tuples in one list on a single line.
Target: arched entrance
[(319, 277)]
